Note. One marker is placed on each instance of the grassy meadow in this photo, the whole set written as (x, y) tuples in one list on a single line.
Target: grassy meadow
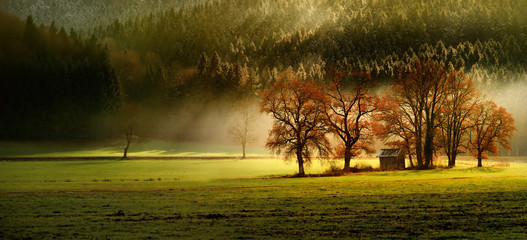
[(114, 148), (247, 199)]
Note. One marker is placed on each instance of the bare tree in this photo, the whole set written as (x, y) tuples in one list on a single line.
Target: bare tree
[(128, 125), (242, 127), (128, 129)]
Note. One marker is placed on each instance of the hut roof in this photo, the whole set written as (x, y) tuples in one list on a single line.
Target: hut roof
[(388, 152)]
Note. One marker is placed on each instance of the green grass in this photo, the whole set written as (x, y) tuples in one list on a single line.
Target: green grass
[(130, 175), (114, 148), (230, 199)]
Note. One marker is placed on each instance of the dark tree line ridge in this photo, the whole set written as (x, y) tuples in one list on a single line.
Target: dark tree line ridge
[(53, 82)]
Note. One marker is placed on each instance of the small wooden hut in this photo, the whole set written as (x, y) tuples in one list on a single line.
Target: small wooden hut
[(391, 159)]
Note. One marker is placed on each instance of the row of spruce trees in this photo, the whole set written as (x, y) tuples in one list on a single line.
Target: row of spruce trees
[(53, 82)]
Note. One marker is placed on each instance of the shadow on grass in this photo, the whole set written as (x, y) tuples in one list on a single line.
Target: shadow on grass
[(406, 172), (484, 169), (442, 170), (333, 172)]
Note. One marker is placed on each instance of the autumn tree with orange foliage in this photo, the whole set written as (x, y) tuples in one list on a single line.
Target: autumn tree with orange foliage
[(491, 125), (348, 109), (299, 128), (429, 107), (461, 99)]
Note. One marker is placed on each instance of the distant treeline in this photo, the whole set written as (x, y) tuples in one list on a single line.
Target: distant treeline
[(169, 54), (82, 14)]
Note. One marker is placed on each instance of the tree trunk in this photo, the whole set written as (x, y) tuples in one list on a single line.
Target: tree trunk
[(454, 156), (428, 149), (347, 162), (449, 155), (301, 172), (126, 149), (347, 159), (243, 146), (128, 134), (479, 160), (300, 161), (419, 153), (411, 161)]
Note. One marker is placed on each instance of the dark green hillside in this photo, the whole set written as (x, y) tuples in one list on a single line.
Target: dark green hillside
[(486, 38), (167, 54), (378, 36)]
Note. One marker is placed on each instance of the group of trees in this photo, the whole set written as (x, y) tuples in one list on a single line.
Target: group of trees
[(378, 37), (428, 108), (223, 78), (168, 55), (81, 14), (304, 111), (236, 48), (269, 34), (263, 38), (53, 83)]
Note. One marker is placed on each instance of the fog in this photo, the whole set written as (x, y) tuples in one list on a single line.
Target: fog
[(207, 123), (512, 95), (210, 123)]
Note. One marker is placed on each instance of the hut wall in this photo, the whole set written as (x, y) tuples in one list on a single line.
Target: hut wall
[(391, 163), (400, 161), (388, 163)]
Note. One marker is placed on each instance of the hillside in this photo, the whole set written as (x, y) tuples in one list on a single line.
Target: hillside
[(196, 58)]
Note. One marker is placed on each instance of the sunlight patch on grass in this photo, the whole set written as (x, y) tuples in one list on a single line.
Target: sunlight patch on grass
[(114, 148)]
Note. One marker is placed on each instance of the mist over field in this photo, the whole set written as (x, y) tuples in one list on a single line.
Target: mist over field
[(209, 124), (513, 96)]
